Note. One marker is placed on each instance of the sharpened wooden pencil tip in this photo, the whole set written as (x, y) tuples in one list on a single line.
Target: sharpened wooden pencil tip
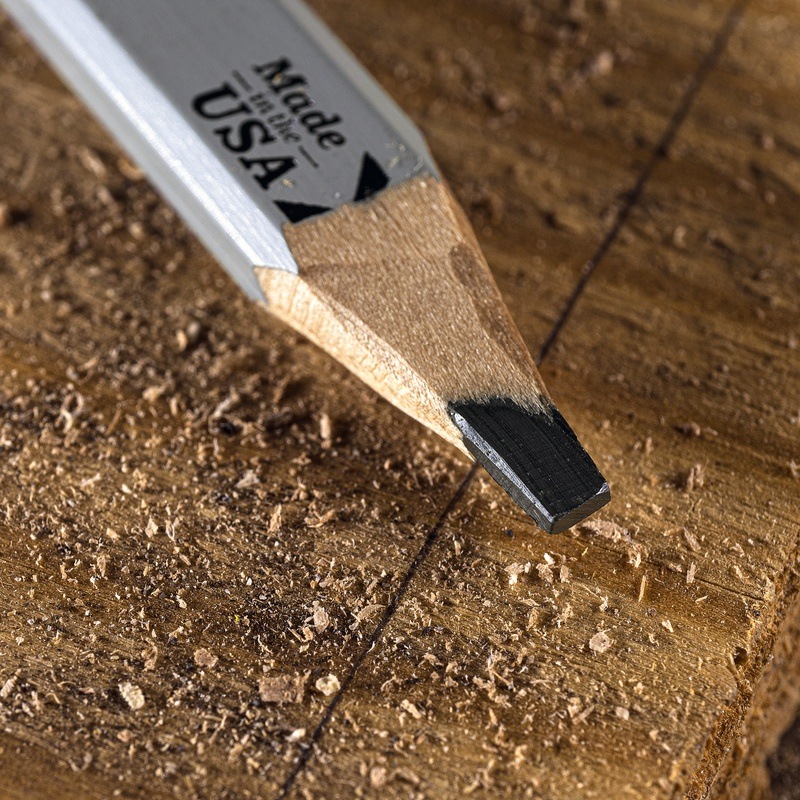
[(535, 457)]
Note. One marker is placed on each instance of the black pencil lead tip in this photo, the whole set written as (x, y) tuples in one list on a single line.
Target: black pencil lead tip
[(535, 457)]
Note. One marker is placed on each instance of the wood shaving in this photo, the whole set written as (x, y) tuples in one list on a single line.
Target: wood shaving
[(248, 480), (318, 520), (276, 519), (321, 619), (368, 611), (325, 430), (514, 571), (150, 656), (408, 706), (328, 685), (695, 478), (102, 564), (282, 688), (205, 658), (691, 540), (690, 429), (600, 642), (296, 735), (377, 777), (564, 615), (616, 533), (601, 65), (8, 687), (545, 572), (132, 695)]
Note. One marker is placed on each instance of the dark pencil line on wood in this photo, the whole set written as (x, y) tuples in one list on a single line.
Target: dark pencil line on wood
[(631, 198), (633, 195), (395, 601)]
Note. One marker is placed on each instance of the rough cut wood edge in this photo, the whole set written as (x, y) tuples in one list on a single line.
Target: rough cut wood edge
[(733, 766), (397, 290)]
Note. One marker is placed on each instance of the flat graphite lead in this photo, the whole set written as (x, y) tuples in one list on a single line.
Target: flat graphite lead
[(321, 199), (536, 458)]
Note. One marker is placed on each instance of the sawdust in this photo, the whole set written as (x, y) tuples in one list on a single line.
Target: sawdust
[(328, 685), (132, 695), (282, 688), (617, 534), (204, 658), (600, 643), (321, 619), (108, 296), (326, 430), (694, 479)]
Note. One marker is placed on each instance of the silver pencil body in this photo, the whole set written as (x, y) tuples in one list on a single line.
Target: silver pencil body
[(246, 114)]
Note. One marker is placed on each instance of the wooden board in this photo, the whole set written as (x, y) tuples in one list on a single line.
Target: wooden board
[(199, 506)]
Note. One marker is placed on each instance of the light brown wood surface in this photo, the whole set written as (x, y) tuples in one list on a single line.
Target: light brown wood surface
[(397, 290), (199, 505)]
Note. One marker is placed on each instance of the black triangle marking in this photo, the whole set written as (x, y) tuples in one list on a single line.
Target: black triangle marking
[(372, 179), (297, 212)]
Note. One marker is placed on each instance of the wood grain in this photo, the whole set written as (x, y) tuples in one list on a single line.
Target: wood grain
[(397, 290), (137, 385)]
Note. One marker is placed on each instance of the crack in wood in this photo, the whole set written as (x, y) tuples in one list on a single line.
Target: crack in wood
[(633, 195), (427, 545)]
